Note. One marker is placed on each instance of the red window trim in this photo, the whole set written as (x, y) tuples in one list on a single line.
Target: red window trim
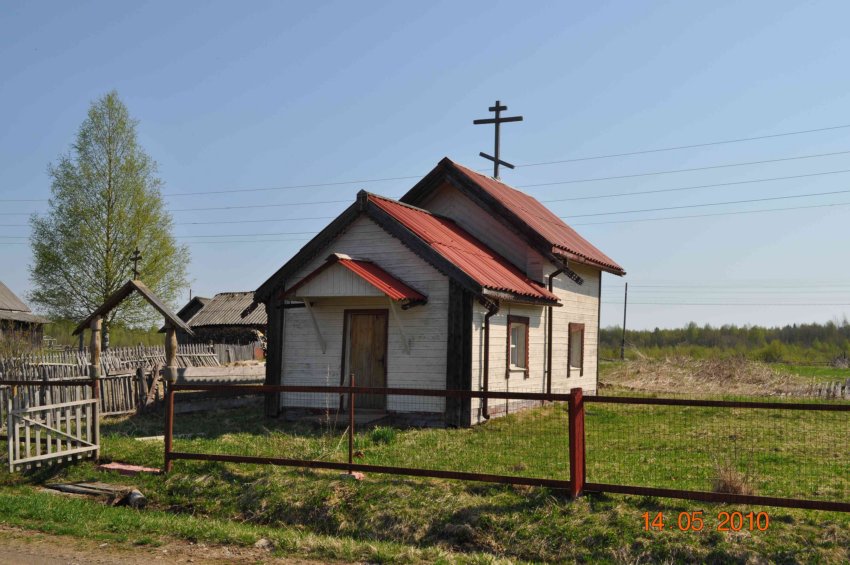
[(571, 328), (516, 320)]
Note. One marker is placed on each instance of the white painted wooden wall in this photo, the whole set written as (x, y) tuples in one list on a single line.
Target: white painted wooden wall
[(425, 326), (580, 305)]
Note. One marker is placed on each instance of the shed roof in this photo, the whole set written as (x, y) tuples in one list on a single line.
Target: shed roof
[(519, 209), (9, 301), (13, 308), (369, 272), (470, 255), (226, 308)]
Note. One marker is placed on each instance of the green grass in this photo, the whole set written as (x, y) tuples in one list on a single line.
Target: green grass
[(816, 373), (402, 519)]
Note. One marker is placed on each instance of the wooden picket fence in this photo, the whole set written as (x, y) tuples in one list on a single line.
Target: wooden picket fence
[(837, 389), (123, 371), (39, 433)]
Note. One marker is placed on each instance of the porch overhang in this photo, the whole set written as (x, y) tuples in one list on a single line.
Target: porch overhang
[(345, 277)]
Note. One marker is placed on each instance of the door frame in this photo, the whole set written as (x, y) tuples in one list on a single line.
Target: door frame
[(345, 338)]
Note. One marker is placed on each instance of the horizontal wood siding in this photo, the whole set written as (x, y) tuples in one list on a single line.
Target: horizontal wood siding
[(579, 306), (336, 280), (448, 201), (424, 326)]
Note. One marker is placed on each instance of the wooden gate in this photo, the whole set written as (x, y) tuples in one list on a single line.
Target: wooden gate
[(52, 433)]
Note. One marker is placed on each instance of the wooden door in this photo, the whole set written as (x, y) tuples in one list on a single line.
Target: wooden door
[(367, 354)]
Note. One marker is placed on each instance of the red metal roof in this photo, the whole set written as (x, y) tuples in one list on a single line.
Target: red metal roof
[(564, 239), (369, 272), (379, 278), (473, 257)]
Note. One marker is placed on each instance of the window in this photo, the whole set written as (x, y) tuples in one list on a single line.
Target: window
[(517, 345), (575, 353)]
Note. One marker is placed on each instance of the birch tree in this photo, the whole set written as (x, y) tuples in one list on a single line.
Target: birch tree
[(105, 202)]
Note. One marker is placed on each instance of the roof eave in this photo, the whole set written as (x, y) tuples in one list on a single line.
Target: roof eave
[(312, 248), (502, 295)]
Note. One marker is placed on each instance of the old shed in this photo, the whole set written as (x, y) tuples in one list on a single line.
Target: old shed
[(16, 319)]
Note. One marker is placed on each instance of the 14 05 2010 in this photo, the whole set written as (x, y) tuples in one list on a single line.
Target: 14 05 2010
[(695, 522)]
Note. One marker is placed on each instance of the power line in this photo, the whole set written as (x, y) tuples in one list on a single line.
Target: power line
[(748, 201), (788, 208), (348, 201), (678, 147), (537, 164), (253, 234), (688, 170), (292, 186), (730, 303), (694, 187)]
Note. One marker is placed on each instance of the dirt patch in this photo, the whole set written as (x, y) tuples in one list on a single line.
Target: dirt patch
[(24, 547), (684, 375)]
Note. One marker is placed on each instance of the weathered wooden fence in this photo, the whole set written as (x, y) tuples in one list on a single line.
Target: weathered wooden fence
[(837, 389), (228, 353), (41, 430), (129, 374)]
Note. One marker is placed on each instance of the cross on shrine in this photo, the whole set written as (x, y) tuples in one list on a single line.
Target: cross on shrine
[(136, 257), (498, 108)]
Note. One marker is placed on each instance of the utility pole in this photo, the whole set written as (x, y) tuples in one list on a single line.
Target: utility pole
[(623, 342)]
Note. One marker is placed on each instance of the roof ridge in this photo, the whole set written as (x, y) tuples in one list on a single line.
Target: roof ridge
[(412, 207), (535, 215)]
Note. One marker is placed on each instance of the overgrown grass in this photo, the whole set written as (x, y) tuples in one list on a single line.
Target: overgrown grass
[(401, 519)]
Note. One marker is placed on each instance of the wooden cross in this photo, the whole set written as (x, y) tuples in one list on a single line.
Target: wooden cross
[(136, 257), (498, 108)]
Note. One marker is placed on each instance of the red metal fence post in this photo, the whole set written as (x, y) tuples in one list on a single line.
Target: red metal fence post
[(576, 411), (169, 424), (351, 424)]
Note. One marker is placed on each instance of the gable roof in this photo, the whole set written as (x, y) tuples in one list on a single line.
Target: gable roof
[(438, 241), (119, 295), (527, 215), (472, 256), (369, 272), (13, 308), (226, 308)]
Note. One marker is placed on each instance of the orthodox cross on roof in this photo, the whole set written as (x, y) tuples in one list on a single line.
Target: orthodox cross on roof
[(498, 108), (136, 257)]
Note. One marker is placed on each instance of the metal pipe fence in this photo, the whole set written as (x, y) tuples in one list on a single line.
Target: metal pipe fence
[(769, 453)]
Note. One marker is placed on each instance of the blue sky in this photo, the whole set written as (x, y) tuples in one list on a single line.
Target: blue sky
[(271, 94)]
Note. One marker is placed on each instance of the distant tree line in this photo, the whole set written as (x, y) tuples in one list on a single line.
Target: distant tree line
[(796, 343)]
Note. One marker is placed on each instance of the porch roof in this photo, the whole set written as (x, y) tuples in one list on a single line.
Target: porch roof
[(367, 271)]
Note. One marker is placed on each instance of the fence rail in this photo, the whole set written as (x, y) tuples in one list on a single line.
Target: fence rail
[(568, 441), (121, 388)]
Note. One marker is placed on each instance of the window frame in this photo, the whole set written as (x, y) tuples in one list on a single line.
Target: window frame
[(524, 320), (571, 328)]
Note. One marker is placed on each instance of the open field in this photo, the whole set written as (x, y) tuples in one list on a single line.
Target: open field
[(722, 378), (317, 514)]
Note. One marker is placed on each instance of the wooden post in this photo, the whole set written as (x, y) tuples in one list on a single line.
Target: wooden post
[(169, 426), (351, 424), (170, 353), (576, 417), (141, 389), (94, 375), (170, 379), (10, 428), (94, 360)]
